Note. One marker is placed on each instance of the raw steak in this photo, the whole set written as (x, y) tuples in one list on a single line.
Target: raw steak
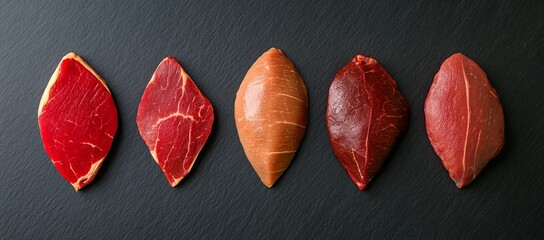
[(366, 115), (77, 119), (174, 119), (271, 113), (464, 118)]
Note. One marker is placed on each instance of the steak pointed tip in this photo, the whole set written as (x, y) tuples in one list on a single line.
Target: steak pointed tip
[(361, 186)]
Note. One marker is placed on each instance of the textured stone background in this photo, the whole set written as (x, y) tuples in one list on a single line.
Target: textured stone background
[(216, 42)]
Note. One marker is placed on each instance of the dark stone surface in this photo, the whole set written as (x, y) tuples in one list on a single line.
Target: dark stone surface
[(216, 42)]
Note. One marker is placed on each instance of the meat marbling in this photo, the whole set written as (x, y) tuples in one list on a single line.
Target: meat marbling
[(174, 119), (464, 118), (271, 114), (77, 119), (366, 115)]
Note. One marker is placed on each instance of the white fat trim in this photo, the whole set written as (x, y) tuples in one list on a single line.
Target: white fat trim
[(154, 154), (467, 95), (92, 171), (281, 152)]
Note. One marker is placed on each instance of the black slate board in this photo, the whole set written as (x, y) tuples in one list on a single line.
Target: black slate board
[(222, 198)]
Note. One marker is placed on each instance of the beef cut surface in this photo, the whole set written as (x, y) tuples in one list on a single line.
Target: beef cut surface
[(271, 114), (77, 119), (464, 118), (174, 119), (366, 115)]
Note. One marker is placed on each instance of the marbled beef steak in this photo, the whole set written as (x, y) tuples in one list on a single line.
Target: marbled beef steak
[(174, 119), (77, 119)]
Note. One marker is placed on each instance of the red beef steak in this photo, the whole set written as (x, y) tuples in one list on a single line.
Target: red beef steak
[(366, 115), (174, 119), (464, 118), (77, 119)]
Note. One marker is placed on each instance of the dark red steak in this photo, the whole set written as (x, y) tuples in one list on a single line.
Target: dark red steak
[(174, 119), (77, 119), (464, 118), (366, 115)]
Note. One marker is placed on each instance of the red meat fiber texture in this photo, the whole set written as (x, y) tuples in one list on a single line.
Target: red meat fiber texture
[(366, 116)]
